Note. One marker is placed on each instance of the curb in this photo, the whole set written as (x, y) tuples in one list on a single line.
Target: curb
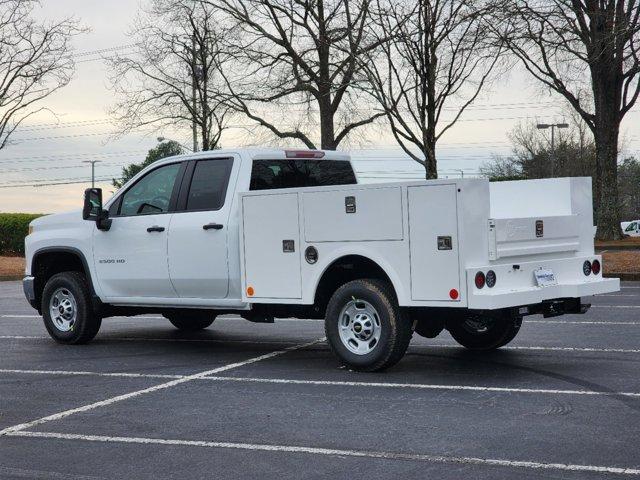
[(616, 248), (10, 278), (624, 276)]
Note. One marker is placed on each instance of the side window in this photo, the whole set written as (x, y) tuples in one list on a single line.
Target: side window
[(209, 184), (631, 227), (152, 193)]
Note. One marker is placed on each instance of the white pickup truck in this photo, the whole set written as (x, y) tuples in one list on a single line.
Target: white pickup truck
[(278, 233)]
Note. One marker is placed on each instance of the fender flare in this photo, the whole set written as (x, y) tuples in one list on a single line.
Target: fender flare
[(72, 250), (396, 282)]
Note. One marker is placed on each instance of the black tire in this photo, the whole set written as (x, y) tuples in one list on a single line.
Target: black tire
[(394, 327), (75, 289), (190, 321), (496, 332)]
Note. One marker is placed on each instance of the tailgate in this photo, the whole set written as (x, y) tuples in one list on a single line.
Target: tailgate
[(512, 237)]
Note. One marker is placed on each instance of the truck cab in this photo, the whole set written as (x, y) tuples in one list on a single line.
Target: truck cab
[(269, 233)]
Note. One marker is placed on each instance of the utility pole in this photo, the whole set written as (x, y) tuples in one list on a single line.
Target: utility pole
[(93, 171), (194, 102), (552, 126)]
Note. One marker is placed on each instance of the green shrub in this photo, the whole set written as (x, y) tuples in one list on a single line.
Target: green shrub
[(13, 228)]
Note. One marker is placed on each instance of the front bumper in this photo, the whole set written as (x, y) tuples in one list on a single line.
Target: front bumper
[(28, 286), (516, 286)]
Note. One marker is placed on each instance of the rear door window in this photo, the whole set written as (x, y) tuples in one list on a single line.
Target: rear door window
[(269, 174), (209, 184)]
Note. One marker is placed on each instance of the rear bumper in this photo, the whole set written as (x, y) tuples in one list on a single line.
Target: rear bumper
[(516, 286), (29, 290)]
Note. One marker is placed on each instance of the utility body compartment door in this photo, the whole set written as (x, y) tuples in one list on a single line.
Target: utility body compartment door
[(354, 215), (272, 246), (433, 238)]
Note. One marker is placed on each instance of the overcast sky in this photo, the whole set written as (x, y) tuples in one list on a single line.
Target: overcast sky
[(43, 152)]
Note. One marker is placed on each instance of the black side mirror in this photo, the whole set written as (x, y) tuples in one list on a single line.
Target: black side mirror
[(92, 209), (92, 204)]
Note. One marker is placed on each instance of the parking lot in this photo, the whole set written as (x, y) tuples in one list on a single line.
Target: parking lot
[(243, 400)]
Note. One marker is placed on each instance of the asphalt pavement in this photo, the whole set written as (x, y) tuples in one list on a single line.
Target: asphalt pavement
[(242, 401)]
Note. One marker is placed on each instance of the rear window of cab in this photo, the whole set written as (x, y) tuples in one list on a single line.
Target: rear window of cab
[(290, 173)]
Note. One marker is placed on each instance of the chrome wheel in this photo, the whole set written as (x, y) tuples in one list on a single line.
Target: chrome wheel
[(359, 327), (63, 309)]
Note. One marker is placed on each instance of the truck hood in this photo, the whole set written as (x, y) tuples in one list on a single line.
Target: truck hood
[(57, 220)]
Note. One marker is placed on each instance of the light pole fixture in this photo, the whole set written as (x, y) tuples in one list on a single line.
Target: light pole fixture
[(93, 171), (552, 126)]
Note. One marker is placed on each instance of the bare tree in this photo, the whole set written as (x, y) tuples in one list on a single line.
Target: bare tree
[(35, 61), (588, 51), (531, 154), (439, 54), (299, 65), (173, 79)]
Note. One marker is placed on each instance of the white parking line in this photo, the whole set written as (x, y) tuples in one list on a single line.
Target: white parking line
[(616, 295), (334, 452), (87, 373), (614, 306), (422, 386), (580, 322), (555, 349), (154, 339), (155, 388), (285, 342), (416, 386)]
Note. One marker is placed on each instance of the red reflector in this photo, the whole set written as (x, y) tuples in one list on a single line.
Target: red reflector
[(595, 267), (480, 280), (453, 293), (303, 154)]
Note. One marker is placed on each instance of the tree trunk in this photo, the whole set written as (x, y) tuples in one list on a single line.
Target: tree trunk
[(608, 213), (431, 166), (327, 132)]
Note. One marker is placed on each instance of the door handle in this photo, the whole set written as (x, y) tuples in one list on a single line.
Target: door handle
[(155, 228), (212, 226)]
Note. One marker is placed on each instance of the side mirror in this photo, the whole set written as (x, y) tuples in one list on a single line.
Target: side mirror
[(92, 204), (92, 209)]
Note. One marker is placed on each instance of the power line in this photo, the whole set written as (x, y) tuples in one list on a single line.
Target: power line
[(87, 181), (70, 156), (53, 168)]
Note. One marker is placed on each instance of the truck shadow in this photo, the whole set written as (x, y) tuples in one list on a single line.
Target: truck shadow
[(512, 365)]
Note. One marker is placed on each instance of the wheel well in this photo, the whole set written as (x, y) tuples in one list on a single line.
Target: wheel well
[(343, 270), (46, 264)]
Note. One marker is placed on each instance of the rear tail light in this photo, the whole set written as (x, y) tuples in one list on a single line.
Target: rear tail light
[(480, 280), (595, 267), (491, 278), (586, 267)]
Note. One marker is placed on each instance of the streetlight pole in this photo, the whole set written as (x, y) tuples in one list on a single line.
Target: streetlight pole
[(93, 171), (552, 126), (194, 103)]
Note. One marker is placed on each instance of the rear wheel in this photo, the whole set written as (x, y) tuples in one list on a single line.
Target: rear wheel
[(484, 332), (190, 321), (365, 327), (66, 309)]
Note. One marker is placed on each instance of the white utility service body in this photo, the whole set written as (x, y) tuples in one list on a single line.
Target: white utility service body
[(492, 226), (249, 231)]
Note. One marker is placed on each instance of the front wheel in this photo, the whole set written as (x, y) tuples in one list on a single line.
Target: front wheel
[(190, 321), (365, 327), (481, 332), (66, 309)]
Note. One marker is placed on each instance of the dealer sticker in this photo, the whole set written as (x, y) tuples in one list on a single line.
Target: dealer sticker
[(545, 277)]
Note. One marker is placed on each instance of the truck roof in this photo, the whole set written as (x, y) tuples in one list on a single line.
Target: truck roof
[(263, 153)]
